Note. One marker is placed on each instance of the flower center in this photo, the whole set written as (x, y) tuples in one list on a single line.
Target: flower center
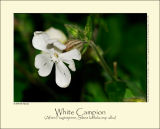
[(56, 55)]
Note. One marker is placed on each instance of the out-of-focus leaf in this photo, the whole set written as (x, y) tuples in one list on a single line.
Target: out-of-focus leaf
[(93, 92), (135, 87), (128, 94), (115, 91), (88, 29), (74, 31)]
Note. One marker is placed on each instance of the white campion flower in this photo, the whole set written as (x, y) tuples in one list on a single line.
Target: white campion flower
[(52, 54)]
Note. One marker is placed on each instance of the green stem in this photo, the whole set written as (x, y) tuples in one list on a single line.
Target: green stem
[(103, 62)]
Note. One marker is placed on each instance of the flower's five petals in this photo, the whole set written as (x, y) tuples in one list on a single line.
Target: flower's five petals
[(63, 75), (40, 41), (49, 43), (73, 54), (44, 64)]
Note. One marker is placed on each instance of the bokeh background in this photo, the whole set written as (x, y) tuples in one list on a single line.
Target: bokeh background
[(123, 39)]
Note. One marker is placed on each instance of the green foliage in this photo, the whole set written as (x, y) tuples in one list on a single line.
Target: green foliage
[(74, 31), (136, 88), (85, 48), (88, 29), (128, 94)]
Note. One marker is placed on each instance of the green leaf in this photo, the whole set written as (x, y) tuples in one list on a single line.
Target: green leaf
[(85, 47), (88, 29), (135, 87), (115, 91), (74, 31), (129, 94), (93, 92)]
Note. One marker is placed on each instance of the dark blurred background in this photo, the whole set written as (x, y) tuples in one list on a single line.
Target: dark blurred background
[(123, 39)]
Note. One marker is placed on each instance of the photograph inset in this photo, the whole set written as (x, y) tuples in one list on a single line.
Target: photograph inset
[(80, 57)]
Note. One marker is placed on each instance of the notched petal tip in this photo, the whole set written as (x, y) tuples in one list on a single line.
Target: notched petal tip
[(72, 54), (71, 64), (78, 54), (73, 68)]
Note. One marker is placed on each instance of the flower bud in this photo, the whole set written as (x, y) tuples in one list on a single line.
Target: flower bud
[(74, 44), (57, 34)]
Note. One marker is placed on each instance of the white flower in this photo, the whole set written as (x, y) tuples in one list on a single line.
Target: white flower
[(52, 53), (41, 41)]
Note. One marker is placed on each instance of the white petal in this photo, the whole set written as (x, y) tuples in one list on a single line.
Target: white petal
[(73, 54), (59, 45), (71, 64), (51, 41), (63, 76), (40, 60), (56, 34), (40, 41), (44, 64)]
